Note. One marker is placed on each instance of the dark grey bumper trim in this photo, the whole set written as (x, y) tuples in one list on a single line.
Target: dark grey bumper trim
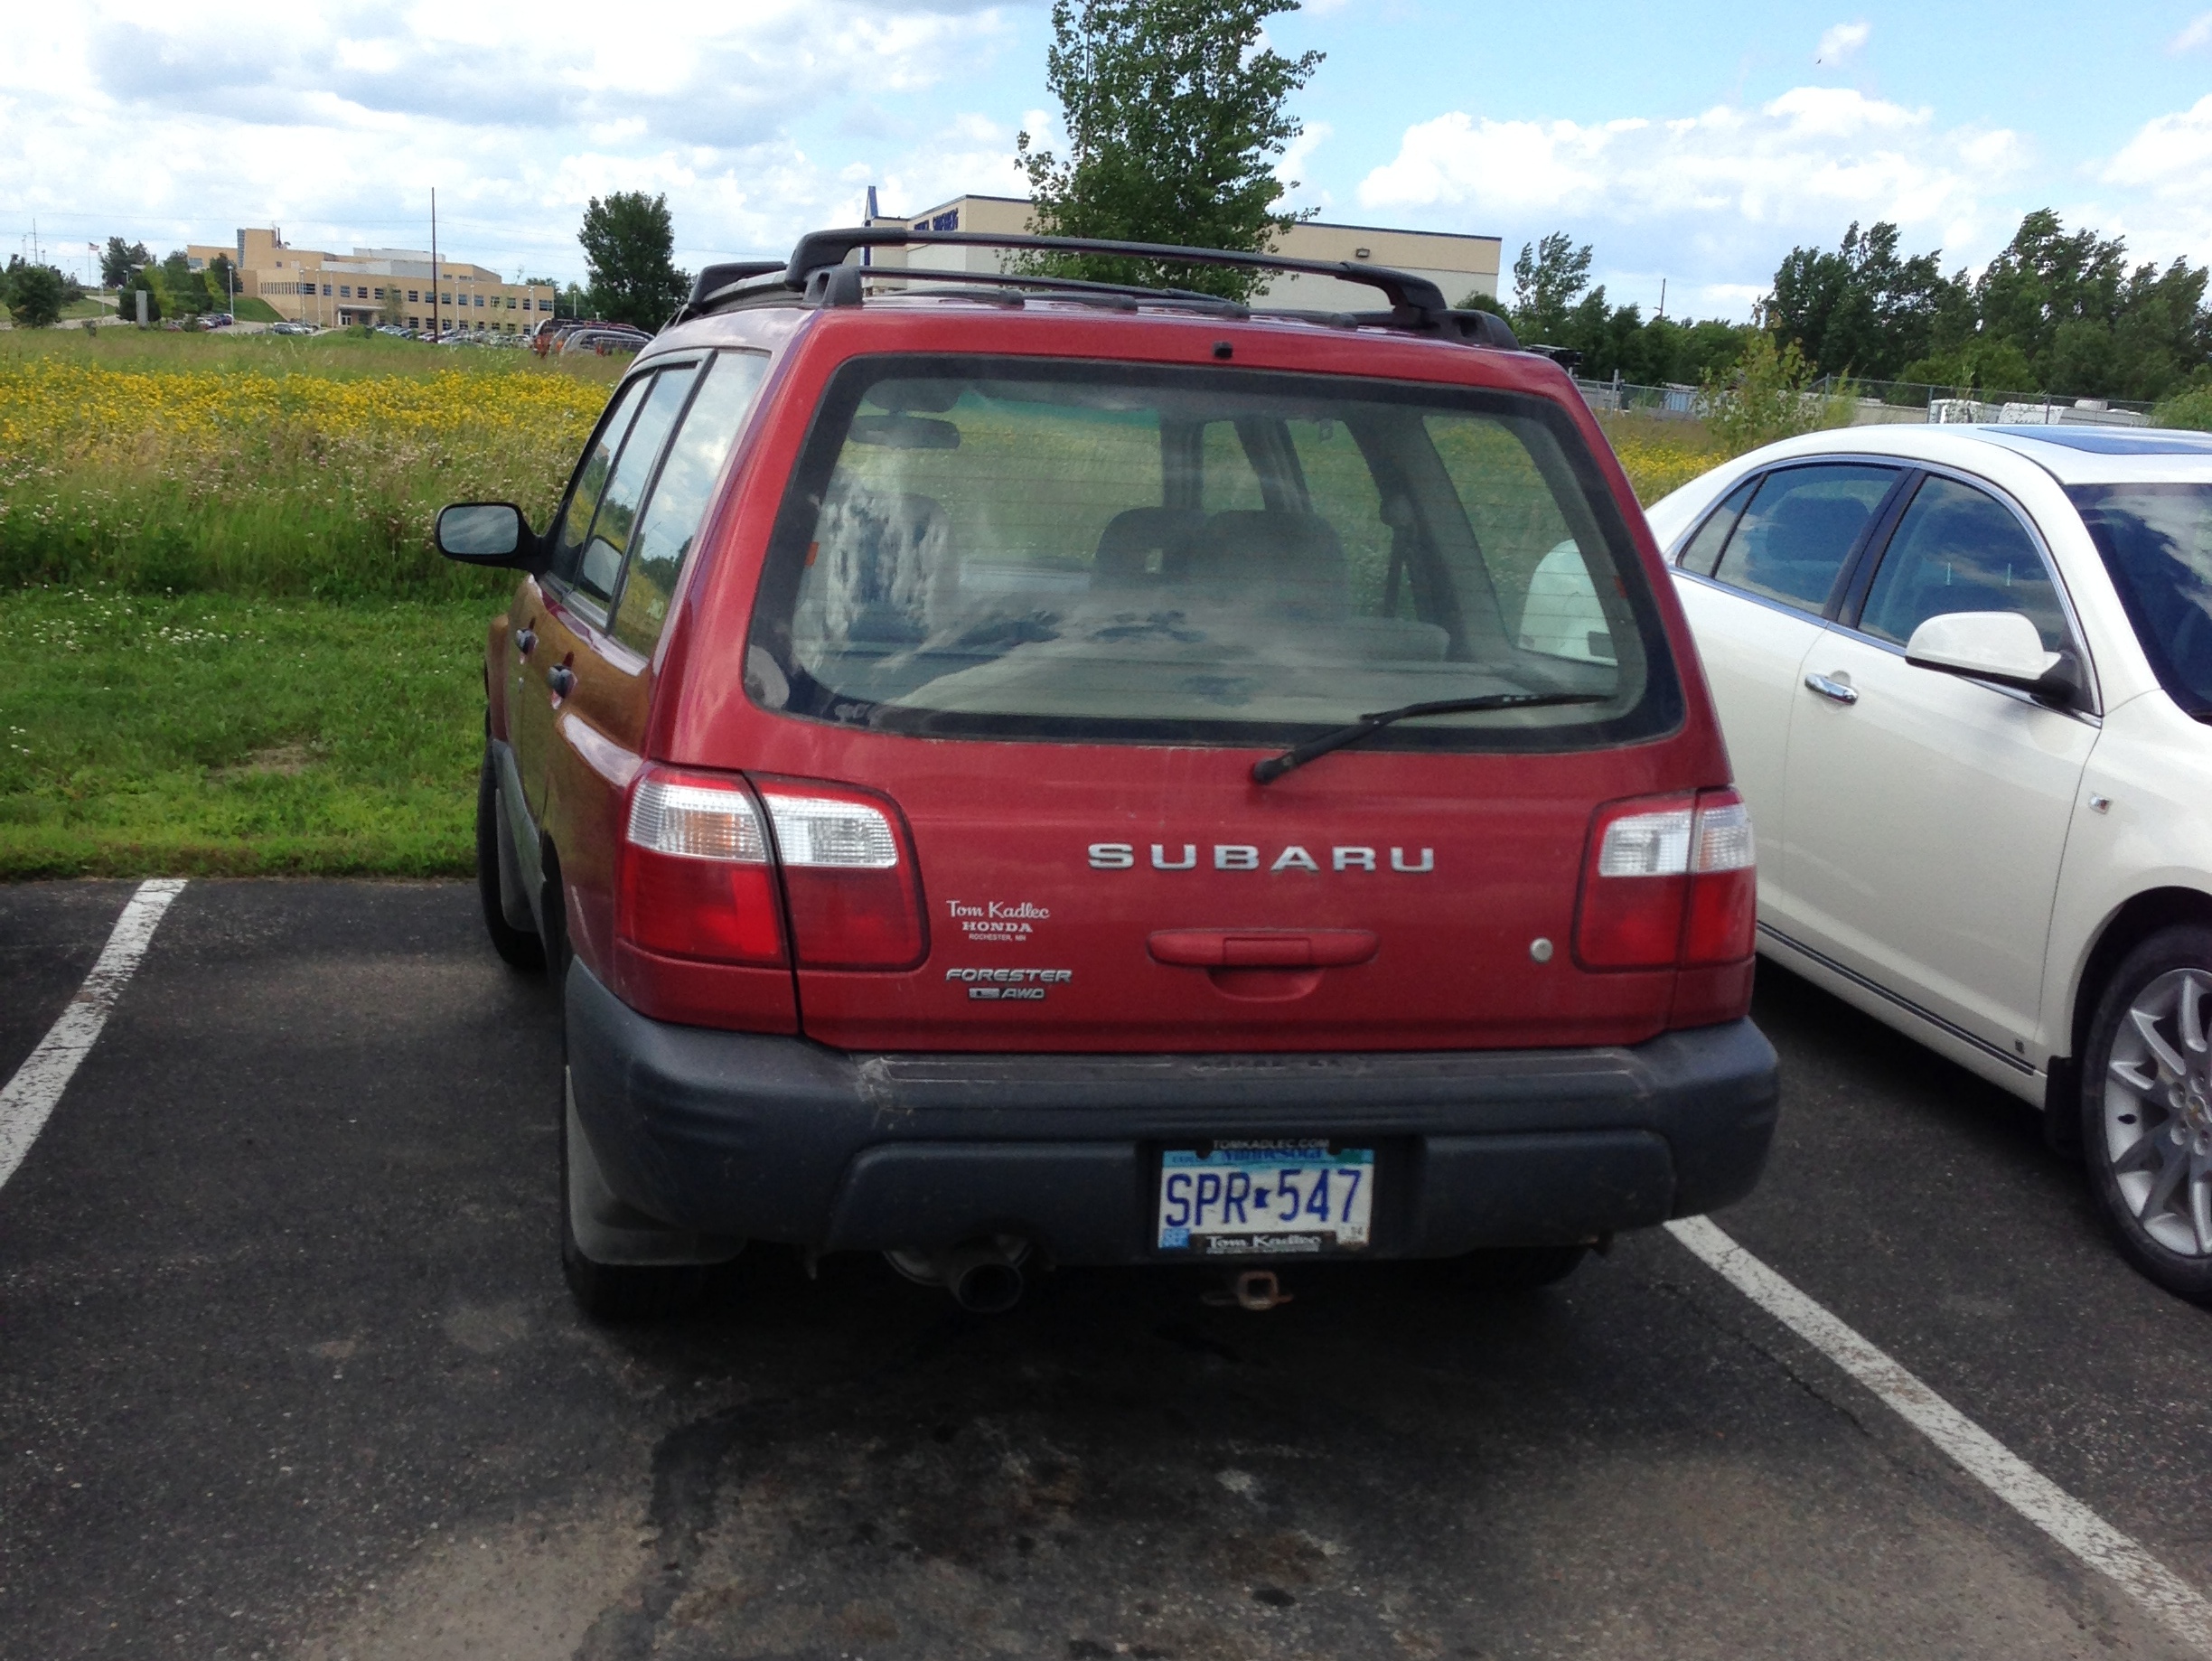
[(780, 1138)]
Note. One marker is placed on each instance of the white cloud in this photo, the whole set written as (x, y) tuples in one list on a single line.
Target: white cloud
[(2197, 33), (1808, 156), (1839, 43), (2164, 176), (1710, 197), (1291, 166), (335, 121)]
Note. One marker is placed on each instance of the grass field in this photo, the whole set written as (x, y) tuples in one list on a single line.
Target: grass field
[(268, 465), (235, 649), (212, 733)]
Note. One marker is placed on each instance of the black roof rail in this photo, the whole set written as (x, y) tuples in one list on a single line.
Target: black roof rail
[(1421, 299), (721, 281), (818, 272)]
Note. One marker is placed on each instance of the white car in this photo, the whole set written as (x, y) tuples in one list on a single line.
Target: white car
[(1966, 675)]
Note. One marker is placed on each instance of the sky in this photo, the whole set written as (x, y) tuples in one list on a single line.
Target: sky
[(1692, 145)]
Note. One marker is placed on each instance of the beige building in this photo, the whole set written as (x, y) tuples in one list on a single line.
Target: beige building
[(1458, 265), (378, 285)]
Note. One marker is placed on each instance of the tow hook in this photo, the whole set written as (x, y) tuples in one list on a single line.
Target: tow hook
[(1255, 1288)]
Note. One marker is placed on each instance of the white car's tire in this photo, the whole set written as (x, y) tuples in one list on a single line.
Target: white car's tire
[(2147, 1108)]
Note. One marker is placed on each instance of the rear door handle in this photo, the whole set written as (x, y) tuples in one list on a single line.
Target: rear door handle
[(525, 641), (1827, 686), (1217, 948)]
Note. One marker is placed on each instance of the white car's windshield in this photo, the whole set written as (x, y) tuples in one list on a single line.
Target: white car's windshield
[(2156, 543)]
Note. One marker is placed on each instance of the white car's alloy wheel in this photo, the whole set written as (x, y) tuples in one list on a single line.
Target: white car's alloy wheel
[(2158, 1111)]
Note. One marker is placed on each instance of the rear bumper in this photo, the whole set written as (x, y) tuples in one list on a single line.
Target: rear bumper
[(773, 1138)]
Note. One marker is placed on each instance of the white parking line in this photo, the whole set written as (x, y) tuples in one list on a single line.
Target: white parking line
[(2173, 1601), (30, 1096)]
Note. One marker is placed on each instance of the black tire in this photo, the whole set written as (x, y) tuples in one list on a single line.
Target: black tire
[(2128, 1133), (518, 947), (1518, 1269), (620, 1294)]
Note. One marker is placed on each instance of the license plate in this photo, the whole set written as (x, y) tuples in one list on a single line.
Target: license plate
[(1265, 1199)]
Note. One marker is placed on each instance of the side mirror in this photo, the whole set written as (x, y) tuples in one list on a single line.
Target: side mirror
[(489, 533), (1994, 645)]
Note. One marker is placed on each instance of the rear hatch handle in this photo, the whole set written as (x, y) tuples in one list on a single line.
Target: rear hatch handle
[(1219, 948)]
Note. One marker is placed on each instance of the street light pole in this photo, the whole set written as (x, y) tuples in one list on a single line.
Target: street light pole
[(434, 267)]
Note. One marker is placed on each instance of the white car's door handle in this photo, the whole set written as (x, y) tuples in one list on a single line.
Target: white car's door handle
[(1841, 691)]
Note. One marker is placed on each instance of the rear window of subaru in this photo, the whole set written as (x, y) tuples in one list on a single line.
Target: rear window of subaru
[(1083, 550)]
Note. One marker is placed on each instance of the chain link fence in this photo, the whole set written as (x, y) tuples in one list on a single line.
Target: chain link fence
[(1873, 403)]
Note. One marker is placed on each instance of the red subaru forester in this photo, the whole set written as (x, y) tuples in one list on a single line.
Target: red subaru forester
[(1013, 771)]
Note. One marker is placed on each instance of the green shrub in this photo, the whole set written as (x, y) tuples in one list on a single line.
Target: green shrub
[(2192, 408)]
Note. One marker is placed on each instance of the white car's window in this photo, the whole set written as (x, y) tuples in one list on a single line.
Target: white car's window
[(1703, 552), (1801, 527), (2156, 543), (1959, 548)]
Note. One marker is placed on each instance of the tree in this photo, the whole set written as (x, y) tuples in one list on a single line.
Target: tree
[(1549, 278), (218, 279), (629, 248), (1175, 117), (182, 291), (120, 260), (1766, 395), (35, 294), (140, 281), (2045, 278), (1863, 311)]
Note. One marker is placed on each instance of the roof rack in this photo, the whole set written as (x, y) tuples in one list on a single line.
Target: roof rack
[(818, 274)]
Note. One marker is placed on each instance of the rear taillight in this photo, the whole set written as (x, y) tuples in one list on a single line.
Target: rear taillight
[(695, 877), (1723, 922), (849, 876), (1670, 881)]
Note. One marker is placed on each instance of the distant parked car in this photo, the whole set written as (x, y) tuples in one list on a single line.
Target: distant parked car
[(602, 340), (1966, 674)]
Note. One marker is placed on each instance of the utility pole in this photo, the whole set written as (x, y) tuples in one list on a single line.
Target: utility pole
[(1662, 296), (434, 267)]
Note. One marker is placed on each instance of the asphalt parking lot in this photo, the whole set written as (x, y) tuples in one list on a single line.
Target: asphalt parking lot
[(287, 1368)]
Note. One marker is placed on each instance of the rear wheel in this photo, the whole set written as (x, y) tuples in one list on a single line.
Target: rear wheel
[(518, 947), (2147, 1109)]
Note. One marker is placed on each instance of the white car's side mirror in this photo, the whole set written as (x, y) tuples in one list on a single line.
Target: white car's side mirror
[(1992, 645)]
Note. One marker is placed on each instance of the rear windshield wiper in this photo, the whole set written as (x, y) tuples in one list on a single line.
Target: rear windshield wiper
[(1267, 772)]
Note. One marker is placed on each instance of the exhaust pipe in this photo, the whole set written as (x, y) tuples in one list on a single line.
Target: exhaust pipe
[(983, 1277)]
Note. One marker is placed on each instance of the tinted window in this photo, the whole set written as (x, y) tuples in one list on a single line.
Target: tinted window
[(680, 496), (2156, 543), (1703, 551), (1527, 562), (987, 546), (1959, 548), (1791, 542), (1229, 481), (1342, 488), (591, 480), (609, 539)]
